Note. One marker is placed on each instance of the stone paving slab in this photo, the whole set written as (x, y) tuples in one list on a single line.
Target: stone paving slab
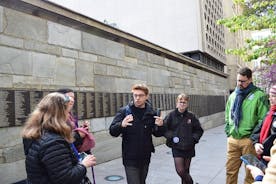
[(208, 167)]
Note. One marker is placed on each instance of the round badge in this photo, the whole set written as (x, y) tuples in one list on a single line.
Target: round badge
[(176, 140), (273, 126)]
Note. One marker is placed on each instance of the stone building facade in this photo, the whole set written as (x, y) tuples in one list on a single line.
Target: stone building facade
[(44, 47)]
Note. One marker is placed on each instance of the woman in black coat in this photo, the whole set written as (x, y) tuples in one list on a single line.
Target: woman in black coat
[(47, 140), (183, 132), (264, 134)]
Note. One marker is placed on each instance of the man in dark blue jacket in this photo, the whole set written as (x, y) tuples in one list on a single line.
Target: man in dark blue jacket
[(136, 122)]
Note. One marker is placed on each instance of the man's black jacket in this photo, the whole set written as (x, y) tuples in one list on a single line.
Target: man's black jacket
[(136, 139)]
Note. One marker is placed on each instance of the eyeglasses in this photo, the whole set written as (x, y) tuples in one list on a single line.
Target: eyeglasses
[(138, 95), (242, 81)]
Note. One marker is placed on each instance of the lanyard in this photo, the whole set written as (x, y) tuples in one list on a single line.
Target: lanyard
[(75, 151), (79, 158)]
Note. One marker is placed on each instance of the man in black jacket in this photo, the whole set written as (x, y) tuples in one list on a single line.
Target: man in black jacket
[(136, 122)]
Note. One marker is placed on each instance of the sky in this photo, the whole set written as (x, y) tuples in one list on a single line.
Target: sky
[(157, 21), (106, 10)]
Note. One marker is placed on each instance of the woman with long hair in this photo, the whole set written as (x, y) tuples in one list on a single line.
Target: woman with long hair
[(47, 140)]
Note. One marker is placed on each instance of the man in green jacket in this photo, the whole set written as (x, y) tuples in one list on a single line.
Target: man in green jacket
[(245, 108)]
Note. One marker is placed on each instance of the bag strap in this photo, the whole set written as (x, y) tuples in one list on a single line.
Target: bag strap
[(128, 110)]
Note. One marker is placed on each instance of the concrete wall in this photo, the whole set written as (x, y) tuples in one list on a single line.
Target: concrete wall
[(41, 49)]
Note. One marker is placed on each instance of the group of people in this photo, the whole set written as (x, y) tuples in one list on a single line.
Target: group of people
[(138, 121), (53, 139)]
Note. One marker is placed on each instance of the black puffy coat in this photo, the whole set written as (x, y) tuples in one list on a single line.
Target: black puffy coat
[(50, 160), (185, 126), (268, 142), (136, 139)]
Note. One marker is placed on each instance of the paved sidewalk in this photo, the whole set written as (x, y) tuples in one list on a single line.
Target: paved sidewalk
[(207, 167)]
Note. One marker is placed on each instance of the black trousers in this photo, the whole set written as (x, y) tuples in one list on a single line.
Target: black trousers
[(137, 175)]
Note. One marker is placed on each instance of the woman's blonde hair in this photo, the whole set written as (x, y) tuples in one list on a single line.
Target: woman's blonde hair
[(49, 115)]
